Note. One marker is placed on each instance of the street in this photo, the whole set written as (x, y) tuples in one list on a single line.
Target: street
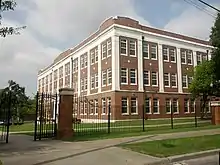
[(209, 160)]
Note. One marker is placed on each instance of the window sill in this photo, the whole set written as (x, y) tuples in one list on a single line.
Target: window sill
[(154, 85), (156, 113), (166, 60), (103, 114), (146, 85), (133, 84), (167, 86), (124, 83), (154, 59), (134, 113), (123, 54), (174, 86), (132, 56), (146, 58), (125, 114), (186, 112)]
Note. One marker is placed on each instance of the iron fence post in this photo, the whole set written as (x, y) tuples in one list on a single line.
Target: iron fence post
[(109, 122), (171, 116), (35, 126), (55, 116)]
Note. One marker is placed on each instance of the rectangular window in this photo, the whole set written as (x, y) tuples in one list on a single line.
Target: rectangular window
[(154, 79), (124, 76), (204, 57), (82, 84), (145, 50), (175, 106), (92, 57), (132, 48), (186, 105), (85, 60), (109, 104), (154, 52), (147, 105), (192, 106), (155, 105), (124, 105), (85, 84), (146, 78), (103, 106), (92, 82), (168, 106), (199, 58), (173, 80), (133, 76), (172, 55), (165, 54), (190, 80), (96, 80), (96, 55), (82, 64), (166, 79), (184, 81), (109, 48), (189, 57), (109, 72), (104, 50), (104, 78), (96, 106), (134, 105), (183, 57), (91, 107), (123, 47)]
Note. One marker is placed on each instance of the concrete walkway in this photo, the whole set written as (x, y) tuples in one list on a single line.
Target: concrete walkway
[(22, 150)]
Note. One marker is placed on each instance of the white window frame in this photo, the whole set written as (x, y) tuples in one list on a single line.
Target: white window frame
[(124, 69), (93, 81), (82, 64), (177, 104), (188, 104), (135, 78), (109, 76), (104, 106), (104, 78), (158, 106), (96, 80), (183, 53), (85, 84), (194, 106), (109, 48), (146, 72), (82, 84), (191, 57), (199, 58), (127, 106), (134, 44), (167, 54), (104, 46), (85, 60), (168, 80), (136, 105), (96, 110), (189, 78), (91, 107), (109, 102), (170, 104), (185, 77), (96, 55), (173, 75), (150, 110), (146, 46), (156, 78), (174, 53), (152, 46), (92, 57), (126, 47)]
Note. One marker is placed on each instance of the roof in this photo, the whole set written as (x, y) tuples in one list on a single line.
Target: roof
[(124, 21)]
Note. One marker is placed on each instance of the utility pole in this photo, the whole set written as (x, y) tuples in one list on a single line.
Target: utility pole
[(209, 5)]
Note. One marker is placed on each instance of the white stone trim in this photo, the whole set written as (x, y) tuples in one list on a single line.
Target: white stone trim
[(117, 64), (140, 65), (88, 73), (79, 77), (99, 68), (179, 71), (160, 68)]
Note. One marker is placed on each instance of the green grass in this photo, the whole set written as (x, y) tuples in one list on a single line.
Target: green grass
[(171, 147)]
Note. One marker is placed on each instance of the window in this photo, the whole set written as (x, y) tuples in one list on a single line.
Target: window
[(165, 54), (199, 58), (155, 105), (75, 65), (104, 78), (184, 81), (96, 80), (124, 76), (85, 60), (147, 105), (146, 78), (61, 77), (132, 48), (123, 45), (85, 83), (82, 61), (92, 57), (67, 74), (134, 105), (154, 51), (173, 80), (124, 105), (96, 106), (82, 84), (109, 71), (103, 106), (104, 50), (189, 57), (204, 57), (186, 105), (109, 103), (145, 50), (154, 78), (96, 55), (109, 48), (91, 107), (168, 106), (166, 79), (183, 57), (132, 76), (172, 55), (175, 106), (190, 80), (92, 82)]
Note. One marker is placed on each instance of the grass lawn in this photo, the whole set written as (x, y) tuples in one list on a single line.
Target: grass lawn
[(171, 147), (117, 125)]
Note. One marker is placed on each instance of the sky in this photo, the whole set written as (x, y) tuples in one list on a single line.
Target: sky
[(54, 26)]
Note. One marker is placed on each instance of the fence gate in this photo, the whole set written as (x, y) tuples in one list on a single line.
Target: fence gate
[(5, 116), (46, 116)]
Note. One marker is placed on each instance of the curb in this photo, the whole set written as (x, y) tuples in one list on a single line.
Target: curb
[(179, 158)]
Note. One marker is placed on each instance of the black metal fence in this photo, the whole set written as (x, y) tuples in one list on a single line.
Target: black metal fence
[(46, 116), (89, 118), (5, 116)]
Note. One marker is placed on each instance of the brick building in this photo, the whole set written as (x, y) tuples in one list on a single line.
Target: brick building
[(128, 65)]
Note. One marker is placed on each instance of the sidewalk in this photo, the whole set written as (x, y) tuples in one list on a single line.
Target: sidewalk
[(23, 150)]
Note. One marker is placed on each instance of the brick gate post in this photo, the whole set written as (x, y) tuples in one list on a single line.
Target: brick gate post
[(215, 110), (65, 115)]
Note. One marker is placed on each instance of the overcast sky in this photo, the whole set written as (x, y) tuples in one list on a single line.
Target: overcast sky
[(55, 25)]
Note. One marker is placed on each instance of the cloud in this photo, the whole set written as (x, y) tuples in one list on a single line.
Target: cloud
[(50, 24), (192, 22)]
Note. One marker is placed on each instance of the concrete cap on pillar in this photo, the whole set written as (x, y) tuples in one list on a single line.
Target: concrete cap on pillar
[(66, 91)]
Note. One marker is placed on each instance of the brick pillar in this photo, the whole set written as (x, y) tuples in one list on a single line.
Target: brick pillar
[(215, 107), (65, 115)]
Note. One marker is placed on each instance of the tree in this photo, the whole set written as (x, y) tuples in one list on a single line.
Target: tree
[(8, 5), (201, 85)]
